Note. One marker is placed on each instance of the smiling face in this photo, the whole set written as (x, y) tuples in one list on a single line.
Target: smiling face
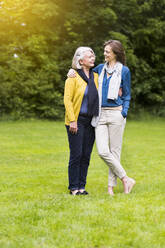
[(88, 60), (109, 55)]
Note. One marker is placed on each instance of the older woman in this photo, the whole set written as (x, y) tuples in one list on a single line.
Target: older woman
[(81, 105), (114, 76)]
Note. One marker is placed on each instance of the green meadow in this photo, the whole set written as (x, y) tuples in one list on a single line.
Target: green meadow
[(36, 210)]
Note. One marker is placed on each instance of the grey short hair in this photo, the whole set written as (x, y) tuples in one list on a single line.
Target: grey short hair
[(79, 54)]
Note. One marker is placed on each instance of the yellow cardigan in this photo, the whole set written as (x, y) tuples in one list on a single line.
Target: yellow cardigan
[(73, 96)]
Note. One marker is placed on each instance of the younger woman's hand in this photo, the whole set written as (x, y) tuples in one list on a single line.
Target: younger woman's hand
[(120, 92), (73, 127), (71, 73)]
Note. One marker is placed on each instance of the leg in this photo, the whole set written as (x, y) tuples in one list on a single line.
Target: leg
[(75, 145), (116, 129), (106, 155), (112, 179), (102, 142), (88, 141)]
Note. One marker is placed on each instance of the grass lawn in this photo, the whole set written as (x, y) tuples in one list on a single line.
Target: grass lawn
[(36, 210)]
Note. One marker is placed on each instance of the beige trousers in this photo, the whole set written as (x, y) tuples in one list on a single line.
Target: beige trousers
[(109, 134)]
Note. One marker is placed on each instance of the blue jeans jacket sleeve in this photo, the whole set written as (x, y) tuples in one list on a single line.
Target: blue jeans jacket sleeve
[(126, 95)]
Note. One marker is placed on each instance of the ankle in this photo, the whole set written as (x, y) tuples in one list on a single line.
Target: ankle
[(110, 190), (124, 179), (74, 191), (81, 190)]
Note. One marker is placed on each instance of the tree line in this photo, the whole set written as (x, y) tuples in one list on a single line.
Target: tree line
[(38, 40)]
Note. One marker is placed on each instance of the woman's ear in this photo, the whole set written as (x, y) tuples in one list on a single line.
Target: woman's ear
[(81, 62)]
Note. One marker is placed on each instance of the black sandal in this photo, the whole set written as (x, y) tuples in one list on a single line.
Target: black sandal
[(77, 193), (84, 193)]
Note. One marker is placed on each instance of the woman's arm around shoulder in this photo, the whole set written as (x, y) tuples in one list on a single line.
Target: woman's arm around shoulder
[(98, 68)]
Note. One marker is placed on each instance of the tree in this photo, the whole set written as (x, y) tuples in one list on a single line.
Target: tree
[(38, 40)]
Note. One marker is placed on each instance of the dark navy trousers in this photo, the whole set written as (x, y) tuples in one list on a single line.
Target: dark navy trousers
[(80, 145)]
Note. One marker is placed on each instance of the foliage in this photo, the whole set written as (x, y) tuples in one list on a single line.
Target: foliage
[(38, 40), (29, 70)]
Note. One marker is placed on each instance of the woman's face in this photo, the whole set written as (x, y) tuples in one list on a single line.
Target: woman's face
[(88, 61), (109, 54)]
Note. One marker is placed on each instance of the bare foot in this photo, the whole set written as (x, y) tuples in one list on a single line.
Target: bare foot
[(131, 183), (128, 184), (110, 190)]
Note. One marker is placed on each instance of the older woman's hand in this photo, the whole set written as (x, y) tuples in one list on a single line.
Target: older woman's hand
[(73, 127), (71, 73)]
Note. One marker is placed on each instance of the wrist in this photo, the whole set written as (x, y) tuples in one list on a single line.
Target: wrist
[(124, 114)]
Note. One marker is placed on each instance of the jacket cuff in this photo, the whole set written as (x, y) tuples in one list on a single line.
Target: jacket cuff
[(124, 113)]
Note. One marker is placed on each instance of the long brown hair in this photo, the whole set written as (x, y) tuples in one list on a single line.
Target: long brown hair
[(118, 50)]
